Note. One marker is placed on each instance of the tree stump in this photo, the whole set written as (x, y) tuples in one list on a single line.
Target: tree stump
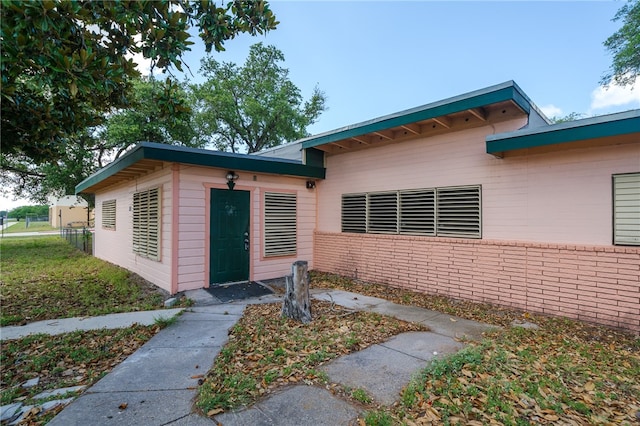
[(296, 303)]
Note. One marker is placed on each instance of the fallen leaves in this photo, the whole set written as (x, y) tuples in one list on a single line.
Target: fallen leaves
[(79, 358), (566, 372), (266, 351)]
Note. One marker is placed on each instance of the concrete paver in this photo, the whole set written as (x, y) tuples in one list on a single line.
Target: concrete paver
[(384, 369), (158, 382), (294, 406), (67, 325)]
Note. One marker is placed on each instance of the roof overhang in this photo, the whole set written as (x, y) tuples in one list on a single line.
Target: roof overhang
[(495, 103), (601, 130), (147, 157)]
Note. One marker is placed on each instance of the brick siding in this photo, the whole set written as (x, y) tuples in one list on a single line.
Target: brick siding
[(599, 284)]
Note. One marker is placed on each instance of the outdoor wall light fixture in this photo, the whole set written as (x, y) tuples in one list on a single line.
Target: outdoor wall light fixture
[(231, 178)]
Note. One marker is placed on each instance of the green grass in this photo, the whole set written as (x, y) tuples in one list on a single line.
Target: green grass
[(518, 376), (70, 359), (33, 227), (46, 278)]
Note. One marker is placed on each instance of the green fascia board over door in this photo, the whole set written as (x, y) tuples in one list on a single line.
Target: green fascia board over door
[(202, 157), (491, 95), (579, 130)]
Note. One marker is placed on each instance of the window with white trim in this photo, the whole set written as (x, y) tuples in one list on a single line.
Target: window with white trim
[(280, 224), (109, 214), (626, 209), (448, 211), (146, 223)]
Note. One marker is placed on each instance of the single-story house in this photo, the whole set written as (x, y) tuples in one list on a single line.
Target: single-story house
[(69, 210), (476, 197)]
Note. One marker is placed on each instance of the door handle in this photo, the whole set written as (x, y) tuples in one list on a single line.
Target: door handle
[(246, 241)]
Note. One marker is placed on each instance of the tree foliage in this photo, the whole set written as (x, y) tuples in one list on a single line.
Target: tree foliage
[(148, 121), (624, 45), (254, 106), (66, 65), (24, 211)]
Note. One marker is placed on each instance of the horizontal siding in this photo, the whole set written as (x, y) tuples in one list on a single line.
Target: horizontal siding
[(559, 197), (195, 182), (117, 246)]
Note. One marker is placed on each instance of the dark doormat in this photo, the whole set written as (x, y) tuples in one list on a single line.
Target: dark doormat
[(238, 291)]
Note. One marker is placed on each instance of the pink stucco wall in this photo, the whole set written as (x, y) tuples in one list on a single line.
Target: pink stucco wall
[(546, 226), (185, 207)]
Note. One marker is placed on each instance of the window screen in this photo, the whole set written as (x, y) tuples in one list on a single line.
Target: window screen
[(354, 213), (417, 212), (458, 211), (626, 209), (146, 223), (280, 224), (448, 211), (109, 214)]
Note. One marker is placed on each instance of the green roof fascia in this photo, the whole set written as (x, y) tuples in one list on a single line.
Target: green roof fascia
[(479, 98), (202, 157), (572, 131)]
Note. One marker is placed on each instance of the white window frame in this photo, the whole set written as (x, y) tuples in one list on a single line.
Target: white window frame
[(109, 214), (147, 220), (626, 209), (280, 224)]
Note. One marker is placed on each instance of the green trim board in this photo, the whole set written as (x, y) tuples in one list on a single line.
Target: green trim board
[(589, 128), (202, 157), (479, 98)]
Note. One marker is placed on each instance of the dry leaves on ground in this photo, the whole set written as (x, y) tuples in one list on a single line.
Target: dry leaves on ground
[(266, 351), (72, 359)]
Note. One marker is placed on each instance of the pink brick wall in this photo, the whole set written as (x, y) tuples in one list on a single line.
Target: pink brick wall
[(598, 284)]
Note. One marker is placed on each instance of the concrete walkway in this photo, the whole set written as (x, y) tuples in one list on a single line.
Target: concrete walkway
[(158, 383)]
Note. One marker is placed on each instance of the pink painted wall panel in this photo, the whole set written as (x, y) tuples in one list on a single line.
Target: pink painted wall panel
[(117, 246), (560, 197), (195, 182)]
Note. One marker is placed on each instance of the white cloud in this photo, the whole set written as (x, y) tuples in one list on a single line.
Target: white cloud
[(612, 97), (551, 110)]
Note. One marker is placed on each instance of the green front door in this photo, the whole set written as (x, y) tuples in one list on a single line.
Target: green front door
[(229, 229)]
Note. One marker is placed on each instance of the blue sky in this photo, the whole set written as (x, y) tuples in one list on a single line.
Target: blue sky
[(373, 58)]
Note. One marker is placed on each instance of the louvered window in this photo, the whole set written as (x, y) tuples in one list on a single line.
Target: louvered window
[(458, 211), (626, 209), (383, 213), (280, 224), (146, 223), (354, 213), (417, 212), (109, 214), (448, 211)]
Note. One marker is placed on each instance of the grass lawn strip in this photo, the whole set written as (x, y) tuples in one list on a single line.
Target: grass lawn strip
[(66, 360), (46, 278), (33, 227), (266, 351)]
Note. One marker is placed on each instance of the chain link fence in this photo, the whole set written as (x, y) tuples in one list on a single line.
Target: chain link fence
[(82, 238)]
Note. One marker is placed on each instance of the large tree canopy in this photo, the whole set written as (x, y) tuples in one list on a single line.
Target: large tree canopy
[(252, 107), (64, 62), (87, 151), (624, 45)]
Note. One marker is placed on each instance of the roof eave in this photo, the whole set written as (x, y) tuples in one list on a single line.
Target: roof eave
[(200, 157), (579, 130), (480, 98)]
